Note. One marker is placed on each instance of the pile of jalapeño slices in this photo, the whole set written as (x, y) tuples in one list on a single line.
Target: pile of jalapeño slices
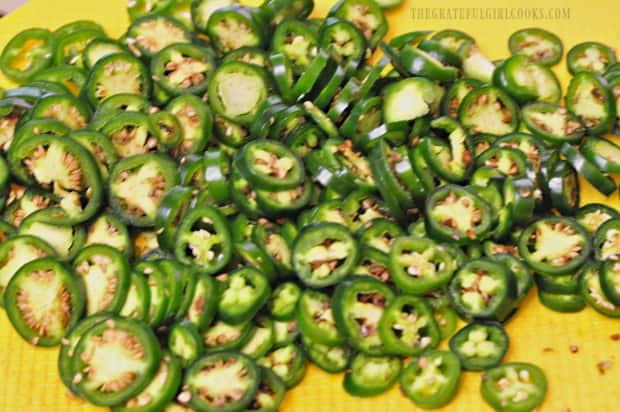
[(196, 210)]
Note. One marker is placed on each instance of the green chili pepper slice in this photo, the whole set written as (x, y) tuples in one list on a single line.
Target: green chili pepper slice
[(538, 45), (455, 214), (483, 289), (114, 74), (284, 300), (590, 57), (270, 392), (419, 265), (431, 380), (203, 240), (315, 318), (514, 387), (554, 246), (358, 305), (324, 254), (589, 98), (480, 346), (106, 277), (606, 240), (488, 110), (27, 54), (331, 359), (269, 165), (182, 69), (245, 292), (371, 375), (232, 27), (59, 294), (408, 327), (128, 340), (137, 186), (161, 390), (365, 15)]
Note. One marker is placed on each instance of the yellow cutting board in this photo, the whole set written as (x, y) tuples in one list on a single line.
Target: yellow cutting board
[(28, 378)]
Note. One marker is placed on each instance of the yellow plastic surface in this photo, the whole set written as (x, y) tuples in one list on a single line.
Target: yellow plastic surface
[(28, 377)]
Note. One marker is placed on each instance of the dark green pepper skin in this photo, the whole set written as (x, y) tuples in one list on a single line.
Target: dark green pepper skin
[(608, 274), (100, 147), (157, 281), (219, 106), (468, 342), (276, 242), (453, 39), (171, 211), (534, 376), (413, 318), (563, 187), (483, 289), (590, 171), (302, 33), (392, 170), (561, 302), (255, 290), (331, 34), (352, 298), (362, 380), (240, 335), (203, 306), (435, 149), (196, 120), (441, 364), (601, 152)]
